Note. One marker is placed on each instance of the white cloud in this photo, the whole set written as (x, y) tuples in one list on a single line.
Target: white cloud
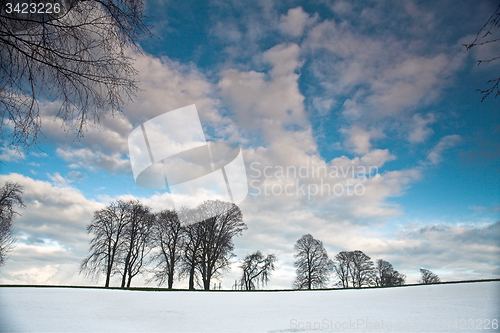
[(359, 140), (90, 159), (420, 130), (76, 175), (380, 80), (8, 154), (58, 180), (465, 252), (227, 32), (447, 142), (269, 105), (42, 154), (294, 22), (284, 58), (165, 85)]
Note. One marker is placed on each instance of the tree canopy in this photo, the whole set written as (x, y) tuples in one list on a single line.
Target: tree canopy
[(313, 265)]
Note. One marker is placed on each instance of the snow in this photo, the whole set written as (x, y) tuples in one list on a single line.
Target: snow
[(436, 307)]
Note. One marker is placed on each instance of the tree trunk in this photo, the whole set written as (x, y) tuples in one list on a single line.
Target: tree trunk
[(170, 280), (206, 277), (309, 274), (110, 266), (206, 283), (191, 278), (124, 277), (106, 285), (171, 271), (108, 275)]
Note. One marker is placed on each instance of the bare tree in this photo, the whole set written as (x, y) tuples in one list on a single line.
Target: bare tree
[(361, 269), (341, 267), (257, 269), (428, 277), (191, 252), (387, 276), (168, 236), (10, 197), (136, 241), (486, 35), (107, 227), (313, 266), (221, 221), (76, 56)]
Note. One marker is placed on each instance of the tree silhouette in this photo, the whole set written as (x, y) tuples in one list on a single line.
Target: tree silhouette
[(428, 277), (107, 227), (221, 221), (121, 241), (361, 268), (208, 245), (342, 264), (76, 57), (313, 266), (136, 241), (168, 236), (354, 268), (191, 252), (10, 196), (387, 276), (257, 269)]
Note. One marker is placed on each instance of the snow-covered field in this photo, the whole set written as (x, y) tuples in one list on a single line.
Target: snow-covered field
[(435, 308)]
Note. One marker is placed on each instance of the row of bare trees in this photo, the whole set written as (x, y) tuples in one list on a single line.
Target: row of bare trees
[(356, 269), (352, 269), (128, 237), (121, 240)]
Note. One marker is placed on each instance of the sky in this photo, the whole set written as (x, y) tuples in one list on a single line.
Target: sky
[(382, 88)]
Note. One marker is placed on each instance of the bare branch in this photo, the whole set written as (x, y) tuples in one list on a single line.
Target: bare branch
[(77, 58)]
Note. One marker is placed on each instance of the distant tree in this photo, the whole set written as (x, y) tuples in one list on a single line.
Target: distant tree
[(10, 197), (221, 221), (75, 56), (257, 269), (486, 35), (136, 241), (313, 266), (428, 277), (387, 276), (168, 237), (341, 267), (107, 228), (361, 269)]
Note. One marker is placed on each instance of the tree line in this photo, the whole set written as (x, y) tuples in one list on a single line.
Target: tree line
[(128, 237), (351, 269)]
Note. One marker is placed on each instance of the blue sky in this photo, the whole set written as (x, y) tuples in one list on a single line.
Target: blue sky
[(380, 83)]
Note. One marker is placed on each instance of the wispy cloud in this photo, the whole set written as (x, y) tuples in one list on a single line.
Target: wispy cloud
[(447, 142), (9, 154)]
